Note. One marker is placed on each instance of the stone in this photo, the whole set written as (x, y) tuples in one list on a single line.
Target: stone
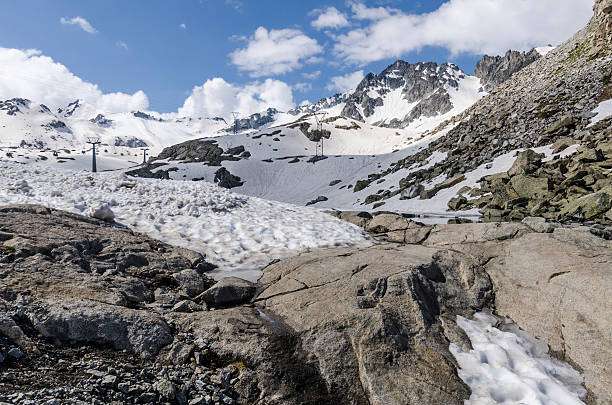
[(229, 291), (526, 163), (538, 224), (191, 281), (15, 353), (528, 186), (589, 206)]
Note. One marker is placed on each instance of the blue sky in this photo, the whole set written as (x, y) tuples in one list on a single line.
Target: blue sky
[(141, 45)]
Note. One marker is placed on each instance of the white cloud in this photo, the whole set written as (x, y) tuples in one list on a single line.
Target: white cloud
[(183, 26), (29, 74), (345, 82), (462, 26), (362, 12), (218, 98), (275, 52), (122, 44), (329, 18), (81, 22), (312, 76), (303, 87)]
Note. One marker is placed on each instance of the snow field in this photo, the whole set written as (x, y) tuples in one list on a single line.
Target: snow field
[(240, 234), (510, 366)]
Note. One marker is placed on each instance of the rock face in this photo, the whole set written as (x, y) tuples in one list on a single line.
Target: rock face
[(494, 70)]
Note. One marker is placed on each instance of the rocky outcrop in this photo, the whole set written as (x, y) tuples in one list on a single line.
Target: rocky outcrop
[(254, 121), (203, 151), (494, 70), (342, 326)]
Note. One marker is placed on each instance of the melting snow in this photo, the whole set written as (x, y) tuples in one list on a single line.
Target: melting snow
[(240, 234), (603, 111), (510, 366)]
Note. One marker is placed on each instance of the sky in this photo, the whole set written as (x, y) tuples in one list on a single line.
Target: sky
[(211, 57)]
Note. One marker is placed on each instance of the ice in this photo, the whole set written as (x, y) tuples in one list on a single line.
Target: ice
[(510, 366), (240, 234)]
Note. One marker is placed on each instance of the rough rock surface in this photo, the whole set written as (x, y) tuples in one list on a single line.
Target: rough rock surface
[(494, 70), (343, 326)]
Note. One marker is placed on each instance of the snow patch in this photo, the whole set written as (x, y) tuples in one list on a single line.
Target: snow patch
[(240, 234), (603, 111), (510, 366)]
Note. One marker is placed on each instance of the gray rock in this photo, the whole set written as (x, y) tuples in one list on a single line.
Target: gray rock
[(191, 281), (15, 353), (229, 291)]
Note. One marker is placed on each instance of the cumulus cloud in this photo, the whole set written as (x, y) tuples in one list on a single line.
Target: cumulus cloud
[(345, 82), (122, 44), (461, 26), (29, 74), (183, 26), (275, 52), (329, 18), (218, 98), (81, 22)]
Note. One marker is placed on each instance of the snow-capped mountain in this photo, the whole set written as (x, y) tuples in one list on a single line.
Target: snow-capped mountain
[(388, 117), (407, 94), (27, 127)]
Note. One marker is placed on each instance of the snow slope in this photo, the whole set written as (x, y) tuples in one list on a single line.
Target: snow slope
[(240, 234)]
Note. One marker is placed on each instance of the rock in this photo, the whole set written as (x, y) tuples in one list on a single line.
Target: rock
[(412, 191), (563, 123), (384, 223), (109, 381), (1, 358), (526, 162), (15, 353), (348, 313), (589, 206), (229, 291), (529, 187), (538, 224), (557, 290), (494, 70), (319, 199), (179, 353), (186, 306), (191, 281), (227, 180), (83, 321), (103, 212)]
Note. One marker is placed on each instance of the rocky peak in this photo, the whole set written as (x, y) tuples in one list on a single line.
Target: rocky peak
[(424, 83), (324, 103), (70, 108), (254, 121), (494, 70), (12, 106)]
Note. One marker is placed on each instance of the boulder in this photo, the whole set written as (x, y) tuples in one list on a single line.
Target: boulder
[(589, 206), (229, 291), (191, 281), (526, 162), (529, 187)]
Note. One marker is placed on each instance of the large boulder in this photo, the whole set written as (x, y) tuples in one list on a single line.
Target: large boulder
[(229, 291)]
